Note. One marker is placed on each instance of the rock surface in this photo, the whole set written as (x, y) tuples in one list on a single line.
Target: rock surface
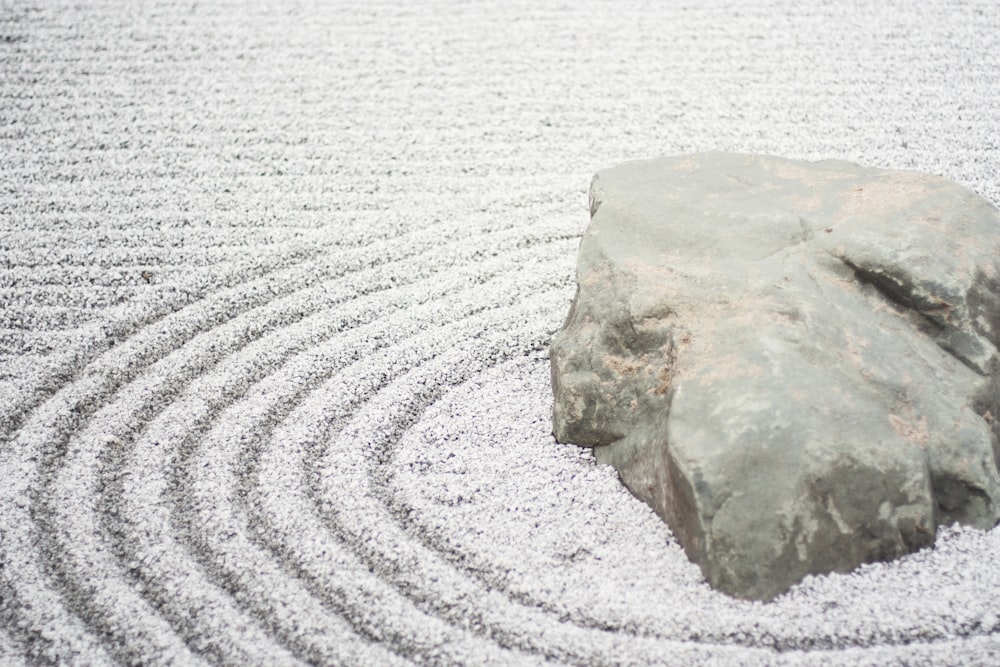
[(795, 364)]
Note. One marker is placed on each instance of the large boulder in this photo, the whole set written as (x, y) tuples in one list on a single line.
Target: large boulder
[(795, 364)]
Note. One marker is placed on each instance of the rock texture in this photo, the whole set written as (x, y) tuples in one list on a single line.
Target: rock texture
[(795, 364)]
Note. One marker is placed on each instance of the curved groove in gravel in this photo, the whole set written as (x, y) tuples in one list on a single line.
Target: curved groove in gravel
[(192, 360)]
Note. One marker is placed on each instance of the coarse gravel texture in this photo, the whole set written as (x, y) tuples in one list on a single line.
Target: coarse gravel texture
[(278, 281)]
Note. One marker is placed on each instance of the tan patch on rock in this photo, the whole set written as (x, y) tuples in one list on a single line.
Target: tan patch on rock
[(688, 164), (917, 433), (890, 194), (665, 377), (622, 366)]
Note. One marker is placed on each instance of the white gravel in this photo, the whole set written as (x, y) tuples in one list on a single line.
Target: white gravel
[(277, 284)]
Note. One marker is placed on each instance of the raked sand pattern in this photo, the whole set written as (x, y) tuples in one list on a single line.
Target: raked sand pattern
[(277, 284)]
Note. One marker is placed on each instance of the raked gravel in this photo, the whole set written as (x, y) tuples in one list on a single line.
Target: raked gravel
[(278, 281)]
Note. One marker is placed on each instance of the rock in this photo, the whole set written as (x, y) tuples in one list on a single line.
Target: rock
[(795, 364)]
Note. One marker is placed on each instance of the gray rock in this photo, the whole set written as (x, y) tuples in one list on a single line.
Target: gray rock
[(795, 364)]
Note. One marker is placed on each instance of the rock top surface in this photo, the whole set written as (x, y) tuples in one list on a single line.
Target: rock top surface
[(795, 364)]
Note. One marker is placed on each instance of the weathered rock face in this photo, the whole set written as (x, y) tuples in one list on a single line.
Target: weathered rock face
[(795, 364)]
